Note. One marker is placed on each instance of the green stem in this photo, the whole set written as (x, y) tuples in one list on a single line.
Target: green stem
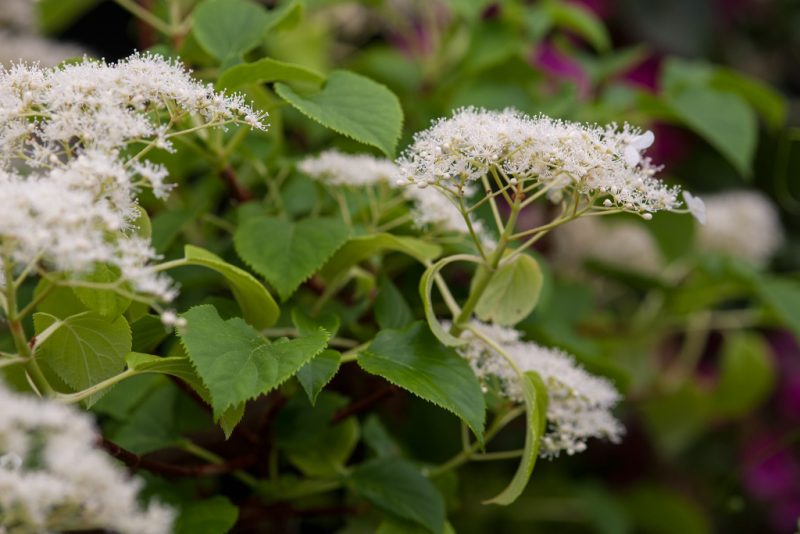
[(465, 455), (35, 373), (72, 398), (141, 13), (209, 456), (484, 276)]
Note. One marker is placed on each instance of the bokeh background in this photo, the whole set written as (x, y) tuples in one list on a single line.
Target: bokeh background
[(683, 466)]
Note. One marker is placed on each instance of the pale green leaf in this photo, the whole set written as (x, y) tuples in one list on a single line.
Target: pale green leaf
[(85, 348), (425, 290), (512, 292), (258, 307), (269, 70), (580, 20), (354, 106), (414, 360), (535, 393), (359, 248), (106, 302), (227, 29)]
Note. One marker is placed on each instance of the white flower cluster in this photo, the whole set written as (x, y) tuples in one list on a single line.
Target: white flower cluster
[(359, 170), (742, 224), (349, 170), (53, 479), (623, 244), (579, 404), (69, 170), (602, 163)]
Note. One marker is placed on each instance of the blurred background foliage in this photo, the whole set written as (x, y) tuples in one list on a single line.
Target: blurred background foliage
[(712, 408)]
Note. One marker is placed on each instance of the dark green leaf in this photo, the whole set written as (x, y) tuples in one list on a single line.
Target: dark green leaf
[(413, 359), (397, 487), (286, 253), (211, 516), (236, 363), (724, 120), (391, 308), (316, 374), (354, 106)]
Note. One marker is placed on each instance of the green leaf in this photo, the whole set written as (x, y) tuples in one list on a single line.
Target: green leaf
[(106, 302), (286, 16), (177, 366), (56, 15), (425, 289), (237, 364), (674, 233), (580, 20), (231, 417), (211, 516), (782, 296), (394, 525), (354, 106), (747, 375), (359, 248), (151, 425), (60, 302), (269, 70), (649, 506), (724, 120), (287, 253), (535, 393), (148, 332), (391, 309), (316, 374), (258, 306), (227, 29), (312, 443), (378, 439), (413, 359), (84, 349), (512, 293), (398, 488)]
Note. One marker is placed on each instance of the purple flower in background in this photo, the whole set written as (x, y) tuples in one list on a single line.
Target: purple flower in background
[(771, 474), (561, 67)]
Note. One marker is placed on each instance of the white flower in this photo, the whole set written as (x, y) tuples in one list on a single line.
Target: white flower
[(52, 478), (72, 146), (579, 404), (596, 162), (624, 244), (355, 170), (696, 207), (636, 145), (742, 224)]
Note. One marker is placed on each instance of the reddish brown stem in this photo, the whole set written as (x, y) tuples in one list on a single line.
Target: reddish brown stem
[(364, 404)]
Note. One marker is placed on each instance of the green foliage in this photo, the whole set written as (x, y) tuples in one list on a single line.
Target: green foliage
[(724, 120), (359, 248), (391, 308), (228, 28), (269, 70), (747, 375), (287, 253), (106, 302), (535, 393), (399, 489), (258, 307), (413, 359), (354, 106), (83, 349), (216, 515), (316, 374), (236, 363), (512, 293)]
